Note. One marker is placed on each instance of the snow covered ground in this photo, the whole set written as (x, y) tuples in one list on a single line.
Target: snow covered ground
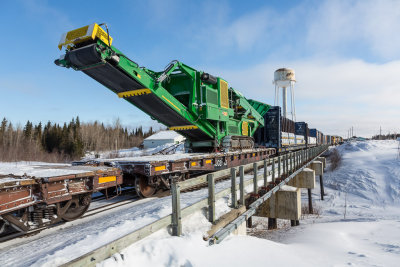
[(358, 225)]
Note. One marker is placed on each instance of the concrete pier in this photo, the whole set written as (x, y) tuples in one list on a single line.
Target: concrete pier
[(318, 167), (284, 204), (305, 179), (241, 230), (323, 160)]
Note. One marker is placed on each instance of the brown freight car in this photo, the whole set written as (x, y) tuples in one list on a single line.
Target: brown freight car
[(47, 194)]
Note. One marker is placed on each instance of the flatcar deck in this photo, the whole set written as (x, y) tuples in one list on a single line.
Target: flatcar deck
[(32, 196), (156, 165)]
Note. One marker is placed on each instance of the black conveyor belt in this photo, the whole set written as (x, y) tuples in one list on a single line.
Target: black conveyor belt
[(117, 81)]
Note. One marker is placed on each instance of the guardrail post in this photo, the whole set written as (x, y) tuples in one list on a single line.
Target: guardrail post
[(298, 159), (279, 167), (211, 197), (283, 164), (292, 162), (273, 171), (287, 165), (302, 157), (233, 188), (255, 186), (176, 208), (241, 186), (266, 172)]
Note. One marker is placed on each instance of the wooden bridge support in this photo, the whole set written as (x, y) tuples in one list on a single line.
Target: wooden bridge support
[(272, 223), (317, 166), (310, 206)]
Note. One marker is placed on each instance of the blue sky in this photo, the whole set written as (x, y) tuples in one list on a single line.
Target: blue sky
[(345, 54)]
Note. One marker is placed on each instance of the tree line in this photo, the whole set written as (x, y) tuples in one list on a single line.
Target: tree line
[(53, 142), (388, 136)]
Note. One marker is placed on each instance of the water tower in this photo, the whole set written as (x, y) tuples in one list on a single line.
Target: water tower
[(284, 78)]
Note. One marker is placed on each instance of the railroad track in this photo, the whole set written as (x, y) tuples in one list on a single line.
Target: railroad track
[(109, 206), (89, 213)]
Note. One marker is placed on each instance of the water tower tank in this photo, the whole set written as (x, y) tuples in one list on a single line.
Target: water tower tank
[(283, 77)]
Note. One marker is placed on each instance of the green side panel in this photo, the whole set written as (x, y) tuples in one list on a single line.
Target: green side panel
[(212, 97), (180, 86), (233, 127), (259, 106), (216, 114)]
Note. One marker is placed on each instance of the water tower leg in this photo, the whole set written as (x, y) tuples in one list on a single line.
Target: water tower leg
[(284, 102)]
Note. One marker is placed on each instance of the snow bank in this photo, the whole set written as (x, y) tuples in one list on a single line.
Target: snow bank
[(163, 135), (133, 152), (359, 225), (328, 244), (365, 188), (370, 170)]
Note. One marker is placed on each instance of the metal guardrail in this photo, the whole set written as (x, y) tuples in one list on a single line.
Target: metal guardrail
[(288, 165), (223, 233)]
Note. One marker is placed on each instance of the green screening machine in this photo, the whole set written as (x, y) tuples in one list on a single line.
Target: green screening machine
[(203, 108)]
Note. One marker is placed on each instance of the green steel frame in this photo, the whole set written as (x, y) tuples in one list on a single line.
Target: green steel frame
[(210, 106)]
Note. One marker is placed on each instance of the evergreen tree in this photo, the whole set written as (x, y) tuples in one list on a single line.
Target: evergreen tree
[(37, 132), (28, 130), (3, 127)]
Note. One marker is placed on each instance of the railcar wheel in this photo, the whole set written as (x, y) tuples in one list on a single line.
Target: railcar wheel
[(142, 187), (74, 208)]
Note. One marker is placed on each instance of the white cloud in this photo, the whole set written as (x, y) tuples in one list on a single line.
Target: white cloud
[(238, 33), (330, 27), (374, 24), (248, 29), (332, 96), (333, 92)]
